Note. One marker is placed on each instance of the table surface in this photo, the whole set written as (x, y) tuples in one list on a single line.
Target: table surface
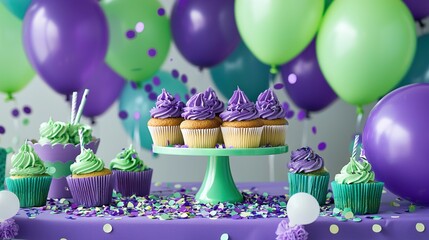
[(395, 220)]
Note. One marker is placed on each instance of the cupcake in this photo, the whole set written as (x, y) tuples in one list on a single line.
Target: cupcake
[(307, 174), (164, 125), (200, 128), (241, 127), (58, 147), (131, 175), (355, 188), (273, 117), (29, 179), (217, 107), (90, 184)]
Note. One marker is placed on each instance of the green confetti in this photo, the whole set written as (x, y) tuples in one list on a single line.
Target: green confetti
[(356, 219), (177, 195), (412, 208), (130, 205)]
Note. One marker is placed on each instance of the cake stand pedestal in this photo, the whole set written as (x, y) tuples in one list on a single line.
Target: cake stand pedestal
[(218, 184)]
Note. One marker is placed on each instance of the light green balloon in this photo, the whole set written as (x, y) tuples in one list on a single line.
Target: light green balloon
[(365, 47), (130, 56), (15, 70), (277, 30)]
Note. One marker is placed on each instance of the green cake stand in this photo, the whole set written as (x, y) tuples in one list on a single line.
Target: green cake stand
[(218, 184)]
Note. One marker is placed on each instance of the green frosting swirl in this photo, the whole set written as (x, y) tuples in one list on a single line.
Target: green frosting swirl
[(63, 133), (128, 160), (86, 162), (355, 172), (27, 163), (73, 131)]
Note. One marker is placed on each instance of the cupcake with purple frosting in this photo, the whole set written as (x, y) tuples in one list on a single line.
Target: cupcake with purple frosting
[(217, 106), (164, 125), (272, 115), (307, 174), (241, 127), (200, 128)]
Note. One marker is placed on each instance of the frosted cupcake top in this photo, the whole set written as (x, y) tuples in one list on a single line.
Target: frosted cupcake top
[(197, 108), (63, 133), (356, 172), (305, 160), (240, 108), (128, 160), (27, 163), (167, 106), (73, 131), (86, 162), (268, 106), (213, 101)]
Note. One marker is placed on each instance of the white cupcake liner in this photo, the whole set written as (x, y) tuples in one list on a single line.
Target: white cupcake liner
[(242, 137), (273, 135), (166, 135), (200, 138)]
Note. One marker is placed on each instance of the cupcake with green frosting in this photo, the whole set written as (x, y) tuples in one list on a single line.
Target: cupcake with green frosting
[(131, 175), (29, 178), (355, 188), (91, 184)]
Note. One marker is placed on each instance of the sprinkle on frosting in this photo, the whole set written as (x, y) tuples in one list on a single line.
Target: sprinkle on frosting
[(356, 172), (240, 108), (27, 162), (268, 106), (197, 108), (167, 106), (128, 160), (86, 162), (53, 132), (305, 160), (213, 101)]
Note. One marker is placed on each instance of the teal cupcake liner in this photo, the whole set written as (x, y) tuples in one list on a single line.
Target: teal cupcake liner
[(316, 185), (361, 198), (31, 191)]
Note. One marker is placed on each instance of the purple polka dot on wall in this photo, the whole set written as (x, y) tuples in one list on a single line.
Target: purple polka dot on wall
[(151, 52), (161, 11), (123, 114), (322, 146), (184, 78), (193, 91), (292, 78), (136, 115), (314, 130), (177, 96), (301, 115), (278, 86), (130, 34), (139, 27), (2, 130), (26, 109), (148, 87), (187, 97), (171, 59), (175, 73), (133, 85), (290, 114), (15, 112), (152, 96), (156, 81), (285, 106)]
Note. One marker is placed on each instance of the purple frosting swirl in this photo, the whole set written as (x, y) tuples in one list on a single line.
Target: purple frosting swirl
[(167, 106), (213, 101), (240, 108), (197, 108), (268, 106), (304, 160)]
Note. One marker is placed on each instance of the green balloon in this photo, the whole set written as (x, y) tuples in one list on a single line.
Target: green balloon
[(365, 47), (15, 70), (139, 37), (277, 30)]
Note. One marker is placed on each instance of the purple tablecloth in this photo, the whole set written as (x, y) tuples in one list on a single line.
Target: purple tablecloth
[(396, 223)]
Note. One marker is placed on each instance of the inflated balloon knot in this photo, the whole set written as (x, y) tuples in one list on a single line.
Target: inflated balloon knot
[(359, 110), (9, 97), (273, 69)]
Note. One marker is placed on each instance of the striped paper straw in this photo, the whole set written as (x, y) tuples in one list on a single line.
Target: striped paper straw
[(73, 107)]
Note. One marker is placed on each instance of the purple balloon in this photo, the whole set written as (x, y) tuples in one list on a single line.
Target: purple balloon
[(105, 86), (204, 31), (309, 91), (64, 40), (396, 137), (419, 8)]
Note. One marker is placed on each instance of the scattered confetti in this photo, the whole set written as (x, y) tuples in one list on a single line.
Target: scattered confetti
[(395, 204), (139, 27), (27, 109), (224, 236), (376, 228), (123, 114), (107, 228), (356, 219), (2, 130), (278, 86), (395, 216), (175, 73), (321, 146), (314, 130), (420, 227), (412, 208), (334, 229), (193, 91), (301, 115), (15, 112), (130, 34), (184, 78)]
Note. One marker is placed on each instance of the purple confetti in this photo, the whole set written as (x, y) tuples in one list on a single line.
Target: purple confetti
[(321, 146), (15, 112), (161, 11), (151, 52), (278, 86), (156, 81), (193, 91), (134, 85), (187, 97), (148, 88), (314, 130), (152, 96), (137, 115), (184, 78), (301, 115), (26, 109), (175, 73), (290, 114), (177, 97), (123, 114), (130, 34), (285, 106), (2, 130)]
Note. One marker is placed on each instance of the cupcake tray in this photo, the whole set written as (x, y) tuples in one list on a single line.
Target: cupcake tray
[(218, 184)]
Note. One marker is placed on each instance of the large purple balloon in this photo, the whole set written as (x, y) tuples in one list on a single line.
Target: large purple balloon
[(419, 8), (105, 86), (305, 82), (64, 39), (204, 31), (396, 142)]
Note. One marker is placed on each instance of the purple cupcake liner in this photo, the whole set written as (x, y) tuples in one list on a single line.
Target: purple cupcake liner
[(91, 191), (133, 183)]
